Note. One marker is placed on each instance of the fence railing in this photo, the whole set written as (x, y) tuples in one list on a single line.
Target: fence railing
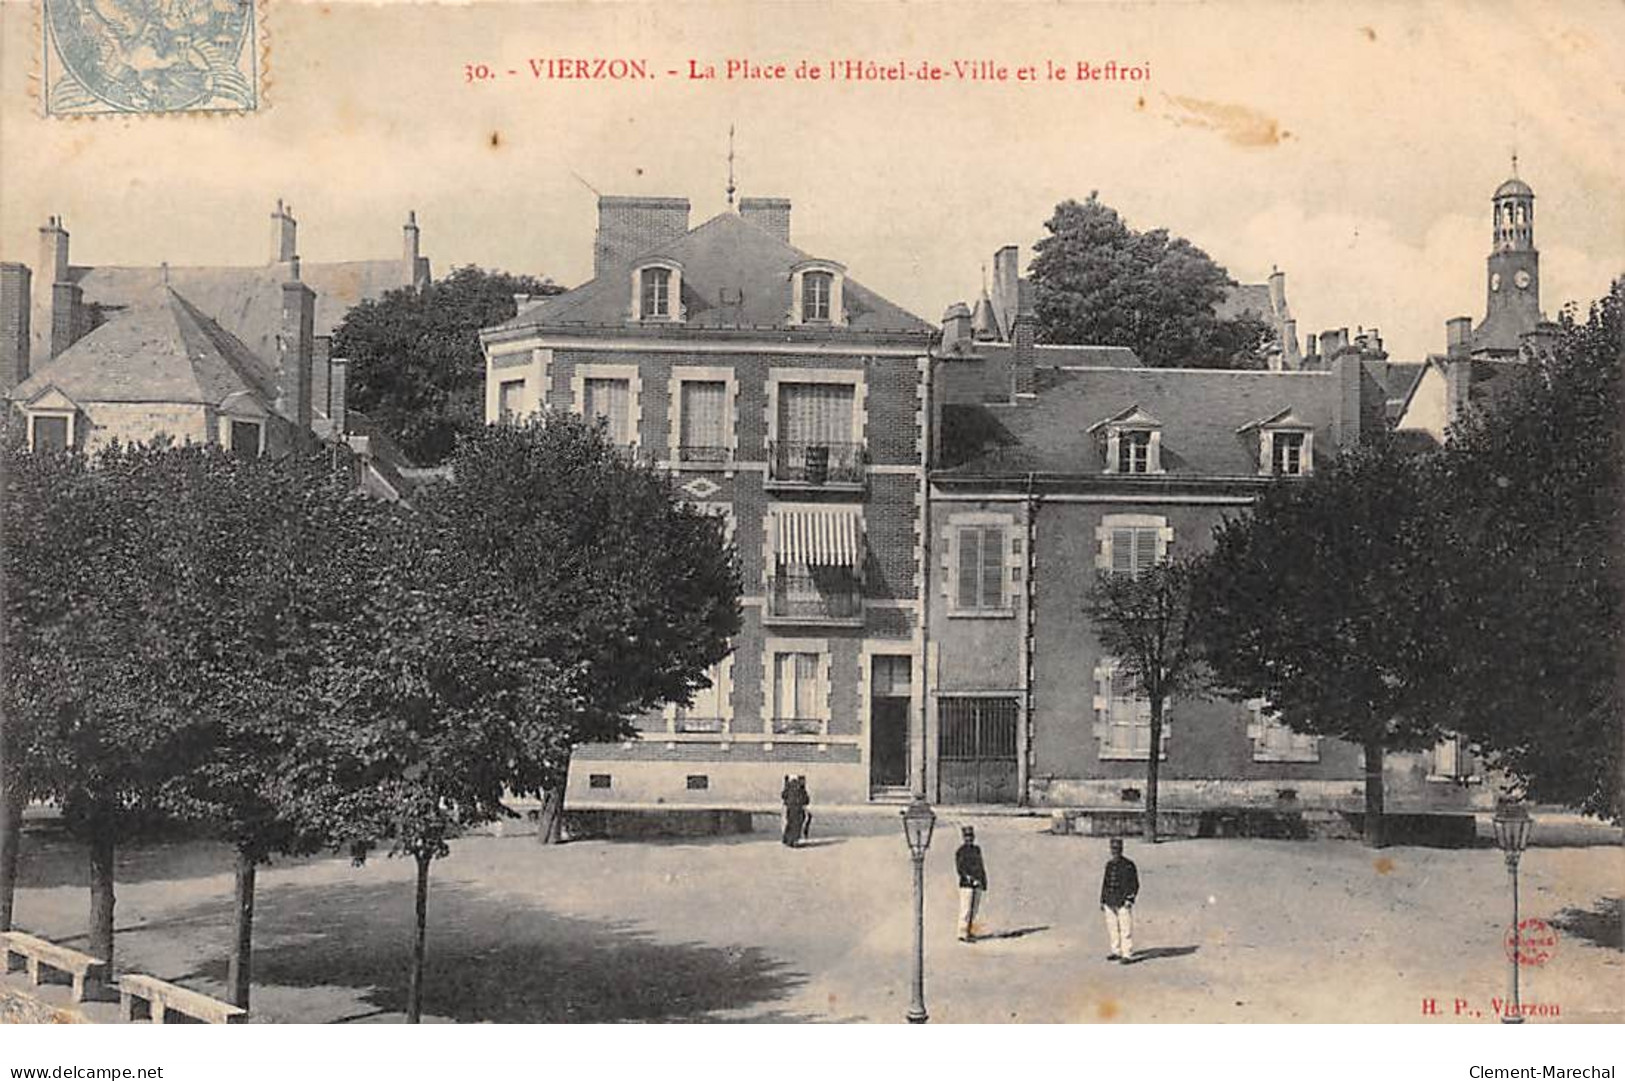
[(798, 726), (816, 463), (805, 596)]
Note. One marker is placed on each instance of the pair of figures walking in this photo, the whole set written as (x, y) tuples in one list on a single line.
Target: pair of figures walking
[(1119, 887), (797, 819)]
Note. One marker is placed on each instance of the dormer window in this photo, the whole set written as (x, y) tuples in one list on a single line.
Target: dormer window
[(657, 291), (816, 290), (1133, 442), (247, 437), (48, 431), (656, 296), (1286, 444)]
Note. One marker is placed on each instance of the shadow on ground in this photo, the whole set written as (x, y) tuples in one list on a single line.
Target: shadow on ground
[(491, 959), (1156, 953), (1603, 926)]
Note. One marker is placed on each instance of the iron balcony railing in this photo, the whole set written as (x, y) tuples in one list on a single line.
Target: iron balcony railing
[(699, 453), (700, 724), (824, 596), (798, 726), (816, 463)]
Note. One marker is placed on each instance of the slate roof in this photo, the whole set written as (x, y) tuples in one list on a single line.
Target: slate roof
[(161, 349), (1200, 411), (246, 300), (734, 275), (1066, 356)]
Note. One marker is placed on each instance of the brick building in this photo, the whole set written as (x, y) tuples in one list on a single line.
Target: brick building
[(790, 399), (235, 355), (1049, 467)]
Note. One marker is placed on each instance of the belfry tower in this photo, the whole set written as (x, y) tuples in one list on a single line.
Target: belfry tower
[(1513, 272)]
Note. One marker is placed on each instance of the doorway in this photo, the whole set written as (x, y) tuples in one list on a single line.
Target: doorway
[(891, 689)]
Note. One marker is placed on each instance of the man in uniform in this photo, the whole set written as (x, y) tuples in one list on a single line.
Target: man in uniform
[(1118, 888)]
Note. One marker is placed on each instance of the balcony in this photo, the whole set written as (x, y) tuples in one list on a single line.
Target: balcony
[(703, 455), (815, 465), (831, 596), (700, 724), (798, 726)]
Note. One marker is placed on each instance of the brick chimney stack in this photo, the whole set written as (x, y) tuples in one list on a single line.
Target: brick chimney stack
[(1006, 274), (629, 225), (956, 333), (284, 234), (15, 300), (338, 395), (769, 215), (55, 304), (1458, 335), (1023, 347), (295, 346), (411, 247)]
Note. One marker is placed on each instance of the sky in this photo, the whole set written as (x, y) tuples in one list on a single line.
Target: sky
[(1353, 144)]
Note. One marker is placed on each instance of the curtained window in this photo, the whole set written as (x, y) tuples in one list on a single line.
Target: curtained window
[(611, 401), (703, 420), (798, 693), (816, 413)]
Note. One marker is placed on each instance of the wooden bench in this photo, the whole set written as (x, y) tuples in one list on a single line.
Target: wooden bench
[(161, 997), (22, 949)]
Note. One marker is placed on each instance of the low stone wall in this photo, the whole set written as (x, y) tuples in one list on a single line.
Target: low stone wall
[(1278, 794), (610, 824), (1430, 831)]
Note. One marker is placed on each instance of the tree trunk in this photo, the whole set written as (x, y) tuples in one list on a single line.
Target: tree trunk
[(11, 842), (1375, 834), (239, 970), (1153, 765), (550, 819), (414, 996), (101, 893)]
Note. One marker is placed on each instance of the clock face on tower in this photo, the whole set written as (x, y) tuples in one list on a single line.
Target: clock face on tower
[(1495, 283), (1522, 279)]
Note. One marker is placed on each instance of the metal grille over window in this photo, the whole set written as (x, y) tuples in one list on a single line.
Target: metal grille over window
[(609, 400), (815, 441), (981, 567), (976, 749), (703, 421), (655, 293)]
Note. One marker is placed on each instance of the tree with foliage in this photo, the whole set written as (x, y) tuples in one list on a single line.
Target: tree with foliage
[(1145, 622), (586, 562), (1530, 489), (90, 653), (416, 365), (1324, 602), (1100, 282)]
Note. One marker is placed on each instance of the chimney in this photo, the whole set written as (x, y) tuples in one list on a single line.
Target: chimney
[(629, 225), (1332, 341), (1458, 380), (1278, 292), (65, 324), (320, 375), (53, 251), (410, 247), (1309, 356), (295, 346), (53, 266), (1291, 359), (956, 328), (15, 298), (1458, 335), (338, 386), (1006, 273), (284, 230), (1349, 369), (1023, 351), (768, 215)]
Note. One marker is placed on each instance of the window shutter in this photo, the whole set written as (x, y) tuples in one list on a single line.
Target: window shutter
[(992, 567), (1122, 551), (1145, 548), (970, 558)]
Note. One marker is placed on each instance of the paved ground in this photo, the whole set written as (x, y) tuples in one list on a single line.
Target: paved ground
[(745, 929)]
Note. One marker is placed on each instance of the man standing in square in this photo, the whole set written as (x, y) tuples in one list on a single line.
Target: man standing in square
[(1118, 889), (972, 883)]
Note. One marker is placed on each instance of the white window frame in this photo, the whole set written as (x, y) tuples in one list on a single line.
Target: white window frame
[(1298, 748), (1112, 522), (675, 312), (227, 420), (1011, 573), (1114, 440), (722, 674), (771, 648), (634, 405), (681, 374), (837, 292), (1104, 726), (534, 366), (1266, 451), (68, 415), (1451, 746)]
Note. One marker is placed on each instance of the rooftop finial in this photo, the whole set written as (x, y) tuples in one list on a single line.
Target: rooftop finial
[(1514, 162), (731, 188)]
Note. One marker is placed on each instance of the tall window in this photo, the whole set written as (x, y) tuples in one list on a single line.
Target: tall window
[(655, 293), (815, 294), (1122, 717), (798, 693), (610, 400), (1287, 453), (1134, 548), (510, 400), (703, 421), (709, 712), (246, 437), (979, 581), (1273, 741), (49, 433), (1134, 452), (816, 413)]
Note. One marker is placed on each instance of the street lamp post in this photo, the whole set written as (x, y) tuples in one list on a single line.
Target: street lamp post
[(1512, 828), (918, 822)]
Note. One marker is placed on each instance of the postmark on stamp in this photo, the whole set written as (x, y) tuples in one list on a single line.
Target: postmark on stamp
[(126, 57)]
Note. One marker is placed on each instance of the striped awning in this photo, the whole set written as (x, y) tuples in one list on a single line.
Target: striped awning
[(819, 536)]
